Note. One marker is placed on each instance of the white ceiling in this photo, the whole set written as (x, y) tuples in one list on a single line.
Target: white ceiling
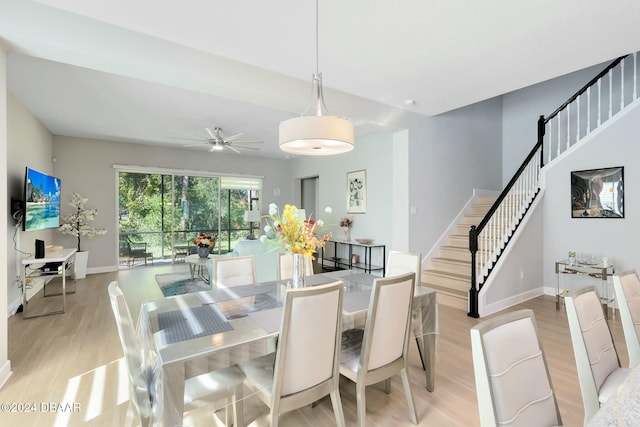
[(143, 71)]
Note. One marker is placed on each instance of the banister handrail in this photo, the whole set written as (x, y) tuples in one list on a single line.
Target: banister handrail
[(507, 188), (584, 88)]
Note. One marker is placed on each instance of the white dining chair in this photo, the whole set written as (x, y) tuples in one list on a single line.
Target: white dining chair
[(401, 263), (380, 351), (233, 271), (627, 289), (201, 392), (305, 365), (404, 262), (597, 362), (513, 385), (285, 266)]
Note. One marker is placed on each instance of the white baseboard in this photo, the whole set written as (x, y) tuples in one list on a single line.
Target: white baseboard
[(494, 307), (5, 372)]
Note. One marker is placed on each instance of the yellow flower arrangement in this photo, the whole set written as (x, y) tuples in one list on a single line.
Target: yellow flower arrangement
[(293, 232)]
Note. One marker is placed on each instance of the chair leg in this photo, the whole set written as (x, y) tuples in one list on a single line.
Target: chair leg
[(387, 385), (361, 404), (407, 392), (336, 402)]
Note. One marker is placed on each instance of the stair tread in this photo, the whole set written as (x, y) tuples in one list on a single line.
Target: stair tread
[(444, 289), (452, 261), (446, 273)]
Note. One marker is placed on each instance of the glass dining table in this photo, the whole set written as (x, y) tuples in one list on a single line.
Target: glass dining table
[(190, 334)]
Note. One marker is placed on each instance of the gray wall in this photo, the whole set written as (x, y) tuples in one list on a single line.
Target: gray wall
[(615, 145), (522, 108), (86, 166), (30, 144), (449, 156)]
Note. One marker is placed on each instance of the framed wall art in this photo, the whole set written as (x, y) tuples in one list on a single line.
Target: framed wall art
[(597, 193), (357, 192)]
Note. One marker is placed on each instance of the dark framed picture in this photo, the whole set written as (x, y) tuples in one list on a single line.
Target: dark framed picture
[(357, 192), (597, 193)]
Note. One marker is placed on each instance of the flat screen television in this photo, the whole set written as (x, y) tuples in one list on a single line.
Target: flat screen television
[(41, 201)]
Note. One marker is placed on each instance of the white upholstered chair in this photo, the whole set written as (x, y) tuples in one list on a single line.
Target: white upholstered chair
[(380, 351), (233, 271), (304, 367), (627, 289), (597, 362), (513, 384), (285, 266), (201, 393), (404, 262)]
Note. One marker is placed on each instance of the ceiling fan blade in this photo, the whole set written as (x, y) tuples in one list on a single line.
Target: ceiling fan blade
[(195, 145), (199, 137), (232, 148), (244, 146), (249, 142), (234, 137), (211, 134)]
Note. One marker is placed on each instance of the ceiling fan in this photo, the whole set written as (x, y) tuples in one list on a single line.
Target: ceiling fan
[(216, 142)]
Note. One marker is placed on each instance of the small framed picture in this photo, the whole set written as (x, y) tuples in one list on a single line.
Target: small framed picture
[(357, 192)]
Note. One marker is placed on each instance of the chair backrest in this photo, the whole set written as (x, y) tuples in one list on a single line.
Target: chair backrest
[(627, 288), (595, 354), (310, 336), (512, 377), (234, 271), (386, 332), (404, 262), (139, 391), (285, 266)]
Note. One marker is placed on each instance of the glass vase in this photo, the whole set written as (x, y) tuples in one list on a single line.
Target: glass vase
[(298, 276), (347, 234), (203, 252)]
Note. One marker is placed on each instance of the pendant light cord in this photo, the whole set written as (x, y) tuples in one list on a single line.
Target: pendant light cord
[(317, 49)]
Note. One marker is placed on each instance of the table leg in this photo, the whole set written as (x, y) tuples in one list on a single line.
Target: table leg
[(192, 268), (170, 395), (428, 352)]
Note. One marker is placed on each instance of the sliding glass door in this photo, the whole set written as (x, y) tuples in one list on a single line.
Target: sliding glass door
[(161, 214)]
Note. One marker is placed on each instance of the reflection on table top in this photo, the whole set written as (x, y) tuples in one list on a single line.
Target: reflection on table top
[(190, 325)]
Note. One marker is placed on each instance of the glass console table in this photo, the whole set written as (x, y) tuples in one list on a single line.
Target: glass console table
[(55, 264), (595, 270)]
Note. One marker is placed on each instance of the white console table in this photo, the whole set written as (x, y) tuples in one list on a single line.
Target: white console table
[(54, 264)]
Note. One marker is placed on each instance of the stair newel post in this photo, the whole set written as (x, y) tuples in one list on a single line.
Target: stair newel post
[(473, 292), (541, 131)]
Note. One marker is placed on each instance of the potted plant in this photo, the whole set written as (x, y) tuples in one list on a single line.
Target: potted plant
[(77, 224)]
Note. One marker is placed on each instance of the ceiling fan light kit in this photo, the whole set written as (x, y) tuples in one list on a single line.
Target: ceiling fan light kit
[(319, 134)]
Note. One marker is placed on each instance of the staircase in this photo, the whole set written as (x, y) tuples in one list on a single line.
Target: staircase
[(450, 272), (476, 243)]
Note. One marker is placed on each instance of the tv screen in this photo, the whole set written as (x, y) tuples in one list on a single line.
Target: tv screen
[(42, 201)]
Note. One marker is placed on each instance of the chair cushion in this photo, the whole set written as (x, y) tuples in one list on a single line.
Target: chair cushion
[(259, 372), (612, 383), (211, 387), (518, 376), (597, 338)]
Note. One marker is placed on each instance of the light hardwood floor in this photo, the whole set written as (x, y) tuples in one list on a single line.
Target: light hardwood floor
[(76, 358)]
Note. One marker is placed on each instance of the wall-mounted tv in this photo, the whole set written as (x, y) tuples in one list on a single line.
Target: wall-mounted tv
[(41, 201)]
